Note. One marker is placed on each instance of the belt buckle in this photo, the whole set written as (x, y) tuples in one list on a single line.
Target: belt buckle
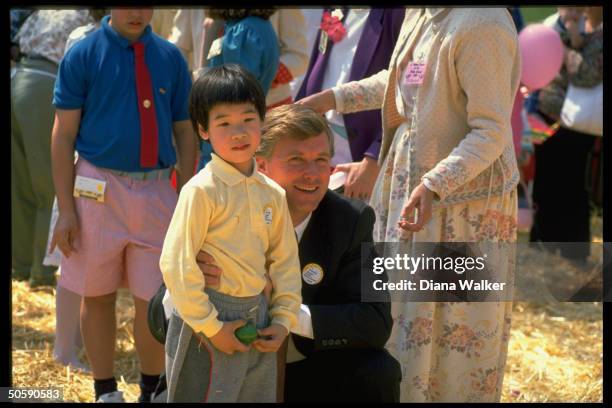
[(153, 174)]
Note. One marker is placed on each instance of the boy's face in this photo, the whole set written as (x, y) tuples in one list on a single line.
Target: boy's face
[(234, 130), (302, 168), (130, 23)]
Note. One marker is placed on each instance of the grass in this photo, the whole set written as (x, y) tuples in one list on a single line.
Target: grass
[(536, 14), (555, 351)]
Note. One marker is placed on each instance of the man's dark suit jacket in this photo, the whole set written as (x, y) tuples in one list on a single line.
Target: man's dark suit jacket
[(333, 241), (346, 361)]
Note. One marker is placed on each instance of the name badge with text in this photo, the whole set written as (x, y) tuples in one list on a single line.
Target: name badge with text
[(89, 188), (415, 73)]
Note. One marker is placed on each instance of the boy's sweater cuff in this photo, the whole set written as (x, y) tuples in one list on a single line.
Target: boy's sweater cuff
[(283, 321), (212, 327)]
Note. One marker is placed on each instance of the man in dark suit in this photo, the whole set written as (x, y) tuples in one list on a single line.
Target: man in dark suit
[(337, 351)]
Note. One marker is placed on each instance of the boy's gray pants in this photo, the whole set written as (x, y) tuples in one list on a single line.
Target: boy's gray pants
[(197, 372)]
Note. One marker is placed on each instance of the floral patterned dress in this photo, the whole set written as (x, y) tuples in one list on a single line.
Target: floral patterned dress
[(447, 351)]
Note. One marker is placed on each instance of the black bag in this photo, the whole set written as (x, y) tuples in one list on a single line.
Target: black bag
[(594, 175), (158, 324)]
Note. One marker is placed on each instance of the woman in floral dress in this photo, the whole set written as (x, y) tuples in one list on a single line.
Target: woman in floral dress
[(447, 150)]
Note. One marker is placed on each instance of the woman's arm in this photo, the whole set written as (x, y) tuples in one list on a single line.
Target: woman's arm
[(365, 94), (487, 69), (355, 96)]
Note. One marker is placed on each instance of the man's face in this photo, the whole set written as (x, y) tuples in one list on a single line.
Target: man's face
[(302, 168), (130, 23)]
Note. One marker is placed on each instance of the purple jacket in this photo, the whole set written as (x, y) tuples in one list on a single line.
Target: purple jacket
[(373, 53)]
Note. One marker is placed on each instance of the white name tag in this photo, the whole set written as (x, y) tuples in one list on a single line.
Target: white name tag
[(215, 48), (268, 215), (89, 188)]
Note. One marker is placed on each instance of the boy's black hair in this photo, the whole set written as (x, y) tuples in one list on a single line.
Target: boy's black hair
[(98, 13), (239, 14), (228, 83)]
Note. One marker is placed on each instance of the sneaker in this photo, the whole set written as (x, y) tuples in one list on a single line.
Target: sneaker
[(115, 396), (73, 362)]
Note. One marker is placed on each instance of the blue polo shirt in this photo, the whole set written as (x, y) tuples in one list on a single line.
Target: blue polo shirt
[(97, 76)]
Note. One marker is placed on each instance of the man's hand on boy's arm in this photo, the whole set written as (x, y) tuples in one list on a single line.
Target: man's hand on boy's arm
[(226, 341), (210, 270), (63, 136), (276, 333), (212, 274), (186, 151)]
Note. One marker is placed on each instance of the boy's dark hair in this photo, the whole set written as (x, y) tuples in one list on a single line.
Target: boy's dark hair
[(98, 13), (239, 14), (228, 83)]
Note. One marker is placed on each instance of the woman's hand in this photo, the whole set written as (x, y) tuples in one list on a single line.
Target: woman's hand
[(421, 198), (321, 102)]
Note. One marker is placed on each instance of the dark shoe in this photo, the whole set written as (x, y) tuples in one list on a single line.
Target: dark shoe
[(145, 397), (20, 275)]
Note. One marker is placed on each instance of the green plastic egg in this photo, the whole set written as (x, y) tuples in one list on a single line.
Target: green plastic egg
[(246, 334)]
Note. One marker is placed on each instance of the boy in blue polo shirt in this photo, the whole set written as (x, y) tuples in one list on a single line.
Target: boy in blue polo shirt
[(120, 94)]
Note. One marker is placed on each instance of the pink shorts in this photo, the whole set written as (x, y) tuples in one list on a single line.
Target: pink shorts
[(119, 241)]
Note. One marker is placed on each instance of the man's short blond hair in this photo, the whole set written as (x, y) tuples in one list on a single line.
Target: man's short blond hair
[(294, 121)]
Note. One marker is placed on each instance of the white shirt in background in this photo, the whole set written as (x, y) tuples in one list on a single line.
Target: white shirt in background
[(337, 73), (312, 17)]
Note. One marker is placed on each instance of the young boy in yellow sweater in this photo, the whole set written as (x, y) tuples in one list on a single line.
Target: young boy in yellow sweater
[(240, 217)]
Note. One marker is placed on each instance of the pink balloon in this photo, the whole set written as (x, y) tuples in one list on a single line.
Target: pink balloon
[(541, 55)]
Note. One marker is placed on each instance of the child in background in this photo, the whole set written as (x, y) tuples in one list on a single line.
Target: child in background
[(240, 217), (249, 40), (120, 95), (68, 304)]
